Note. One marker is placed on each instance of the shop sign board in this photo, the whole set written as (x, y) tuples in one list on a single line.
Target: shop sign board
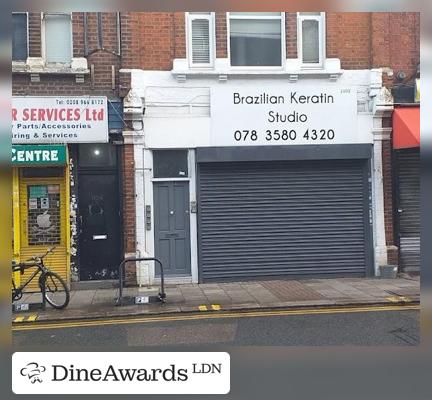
[(38, 155), (59, 119), (290, 115)]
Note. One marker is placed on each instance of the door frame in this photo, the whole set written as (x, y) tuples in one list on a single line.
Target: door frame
[(173, 183), (119, 172), (149, 235)]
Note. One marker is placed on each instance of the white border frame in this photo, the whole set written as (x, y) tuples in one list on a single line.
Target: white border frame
[(212, 39), (321, 38), (283, 42), (43, 44), (28, 38)]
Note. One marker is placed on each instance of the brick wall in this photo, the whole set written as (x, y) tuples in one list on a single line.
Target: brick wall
[(396, 43), (129, 219), (291, 35), (359, 40), (34, 28), (98, 83)]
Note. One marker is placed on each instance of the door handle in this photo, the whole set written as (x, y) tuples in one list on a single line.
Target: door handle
[(100, 237)]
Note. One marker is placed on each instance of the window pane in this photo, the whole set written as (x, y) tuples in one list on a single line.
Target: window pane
[(253, 14), (101, 155), (170, 164), (19, 37), (310, 41), (58, 40), (255, 42), (200, 41)]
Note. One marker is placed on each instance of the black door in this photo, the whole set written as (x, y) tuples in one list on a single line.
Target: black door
[(99, 211)]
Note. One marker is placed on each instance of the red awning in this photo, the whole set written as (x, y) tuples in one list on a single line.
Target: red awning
[(406, 127)]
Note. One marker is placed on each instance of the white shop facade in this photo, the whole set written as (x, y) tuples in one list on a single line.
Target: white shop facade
[(258, 176)]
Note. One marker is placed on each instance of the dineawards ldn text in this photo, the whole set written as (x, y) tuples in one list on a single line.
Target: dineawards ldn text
[(62, 373)]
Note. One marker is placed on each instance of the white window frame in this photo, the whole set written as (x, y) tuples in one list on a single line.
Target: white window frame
[(321, 38), (28, 38), (43, 44), (212, 38), (283, 41)]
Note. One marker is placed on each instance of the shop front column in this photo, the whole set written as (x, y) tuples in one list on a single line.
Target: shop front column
[(134, 145), (383, 107)]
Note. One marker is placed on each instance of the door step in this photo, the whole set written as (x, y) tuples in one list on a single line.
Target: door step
[(89, 285)]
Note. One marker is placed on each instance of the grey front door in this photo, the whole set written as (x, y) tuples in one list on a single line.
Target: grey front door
[(171, 220)]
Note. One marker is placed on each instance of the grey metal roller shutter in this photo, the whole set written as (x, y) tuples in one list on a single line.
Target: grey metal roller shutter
[(409, 204), (290, 218)]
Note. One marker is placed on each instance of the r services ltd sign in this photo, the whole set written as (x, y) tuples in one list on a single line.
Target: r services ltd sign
[(59, 120), (274, 115)]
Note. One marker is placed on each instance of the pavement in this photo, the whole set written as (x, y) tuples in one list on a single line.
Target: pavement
[(232, 296)]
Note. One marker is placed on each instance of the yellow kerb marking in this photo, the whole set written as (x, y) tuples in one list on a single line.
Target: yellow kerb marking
[(397, 299), (32, 318), (19, 319), (202, 308), (216, 307)]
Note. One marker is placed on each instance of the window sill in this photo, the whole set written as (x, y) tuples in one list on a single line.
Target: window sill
[(292, 70), (35, 66)]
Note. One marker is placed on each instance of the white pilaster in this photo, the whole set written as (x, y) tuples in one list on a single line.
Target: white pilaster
[(133, 114), (382, 108)]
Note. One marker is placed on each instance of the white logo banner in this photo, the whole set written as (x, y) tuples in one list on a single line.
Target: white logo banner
[(121, 373)]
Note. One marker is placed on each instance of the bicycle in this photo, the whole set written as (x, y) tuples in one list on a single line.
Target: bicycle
[(51, 285)]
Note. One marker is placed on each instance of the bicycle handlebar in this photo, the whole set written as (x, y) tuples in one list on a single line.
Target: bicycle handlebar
[(40, 257)]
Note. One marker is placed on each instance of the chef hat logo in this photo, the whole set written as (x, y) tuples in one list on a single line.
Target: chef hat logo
[(33, 371)]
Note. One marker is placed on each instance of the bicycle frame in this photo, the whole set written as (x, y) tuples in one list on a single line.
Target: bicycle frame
[(40, 269)]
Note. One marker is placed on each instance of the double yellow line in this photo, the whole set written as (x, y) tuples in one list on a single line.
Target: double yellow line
[(209, 315)]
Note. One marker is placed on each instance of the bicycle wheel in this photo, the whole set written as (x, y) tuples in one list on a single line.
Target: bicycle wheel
[(56, 291)]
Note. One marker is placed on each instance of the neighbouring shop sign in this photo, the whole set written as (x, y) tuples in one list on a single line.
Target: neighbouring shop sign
[(265, 115), (59, 120), (42, 155)]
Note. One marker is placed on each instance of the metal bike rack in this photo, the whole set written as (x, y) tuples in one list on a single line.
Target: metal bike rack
[(127, 300)]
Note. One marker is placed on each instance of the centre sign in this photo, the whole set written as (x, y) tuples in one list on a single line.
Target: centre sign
[(46, 120), (245, 116), (39, 155)]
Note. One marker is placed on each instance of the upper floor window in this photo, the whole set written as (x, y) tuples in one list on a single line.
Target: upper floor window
[(310, 36), (19, 36), (57, 36), (256, 39), (200, 39)]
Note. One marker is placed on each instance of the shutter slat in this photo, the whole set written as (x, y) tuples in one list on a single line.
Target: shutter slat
[(409, 202), (282, 219)]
